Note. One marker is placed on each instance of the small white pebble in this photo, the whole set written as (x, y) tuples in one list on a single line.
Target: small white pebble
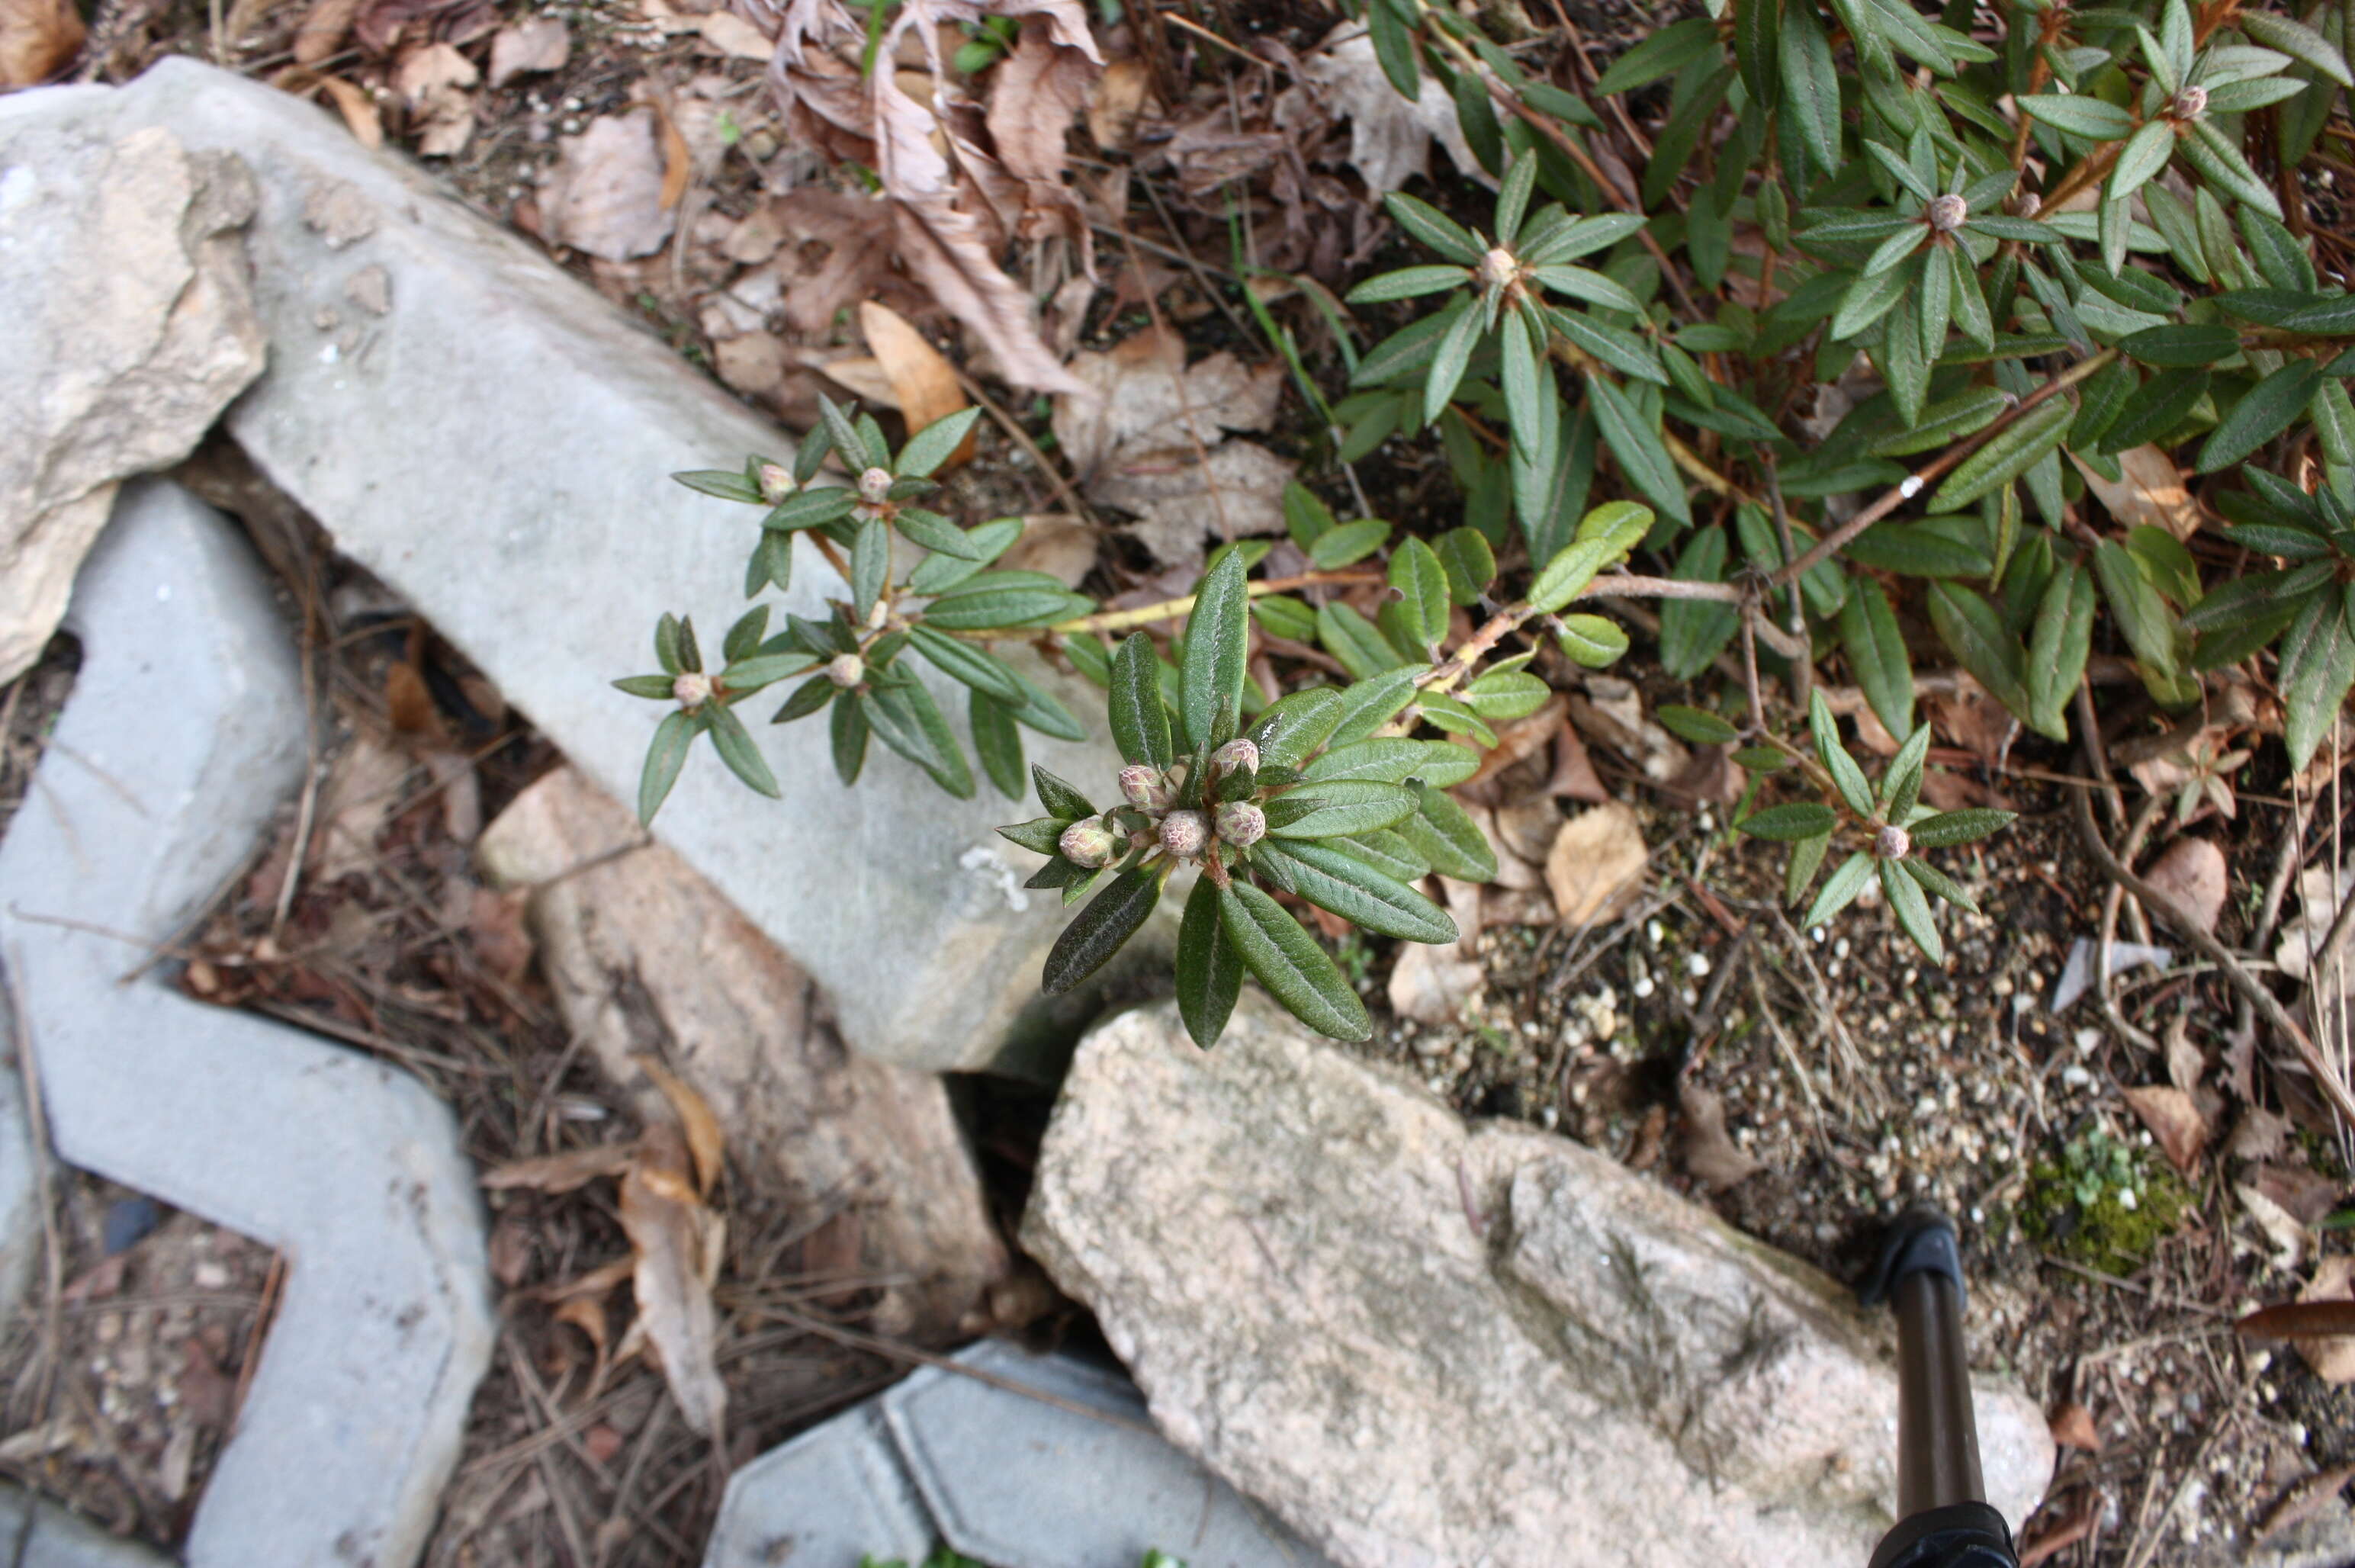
[(2075, 1076), (2087, 1039), (1643, 986), (1698, 964), (1840, 948), (2127, 1198), (1652, 932)]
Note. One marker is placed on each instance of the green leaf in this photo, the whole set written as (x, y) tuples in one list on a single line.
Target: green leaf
[(726, 484), (2154, 409), (2057, 650), (1636, 444), (1434, 229), (1786, 823), (1584, 283), (1901, 786), (1209, 969), (1944, 423), (1140, 723), (1281, 615), (1367, 704), (734, 745), (1336, 806), (1949, 828), (2297, 40), (932, 446), (1565, 576), (807, 699), (1840, 891), (664, 757), (1664, 53), (1059, 799), (1352, 639), (1696, 725), (1443, 833), (1101, 930), (1287, 960), (1348, 544), (1393, 759), (997, 600), (1868, 299), (1876, 655), (1911, 909), (1470, 564), (1507, 694), (1293, 726), (2005, 458), (1937, 884), (1519, 379), (1332, 879), (1593, 642), (1811, 100), (1386, 852), (2317, 664), (1040, 835), (659, 688), (1977, 636), (1448, 364), (2145, 153), (1421, 582), (1217, 643), (905, 718), (966, 663), (1408, 283), (2080, 114), (1918, 549), (1806, 859), (2264, 412), (1693, 631), (995, 741), (2176, 345), (1846, 776), (848, 731)]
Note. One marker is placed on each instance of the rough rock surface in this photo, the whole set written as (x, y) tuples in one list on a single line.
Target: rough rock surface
[(497, 446), (647, 958), (1422, 1344), (130, 326)]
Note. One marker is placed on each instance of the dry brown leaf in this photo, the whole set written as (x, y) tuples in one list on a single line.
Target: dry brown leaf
[(1706, 1150), (705, 1140), (1118, 103), (2306, 1499), (2174, 1120), (752, 364), (2185, 1062), (560, 1172), (39, 38), (2259, 1134), (496, 927), (536, 43), (1527, 828), (587, 1313), (1141, 422), (433, 83), (1596, 864), (1034, 95), (2073, 1426), (320, 31), (2304, 1194), (1521, 739), (2280, 1227), (677, 1242), (1390, 138), (2150, 490), (1432, 983), (1061, 546), (359, 110), (1512, 871), (605, 197), (923, 383), (1574, 777), (1612, 711), (362, 788), (408, 704), (678, 160), (2192, 872)]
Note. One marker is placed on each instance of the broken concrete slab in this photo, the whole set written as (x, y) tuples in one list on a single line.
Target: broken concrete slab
[(20, 1214), (1422, 1343), (183, 736), (1014, 1459), (499, 431), (646, 959), (131, 325), (35, 1533)]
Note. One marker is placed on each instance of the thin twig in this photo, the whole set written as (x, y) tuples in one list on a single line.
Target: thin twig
[(2264, 1001), (1173, 609)]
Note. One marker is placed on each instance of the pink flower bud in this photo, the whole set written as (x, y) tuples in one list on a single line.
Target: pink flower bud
[(1236, 757), (1892, 843), (875, 485), (776, 483), (1088, 842), (2191, 104), (1184, 835), (1241, 824), (1140, 784), (692, 691), (1947, 213), (846, 671)]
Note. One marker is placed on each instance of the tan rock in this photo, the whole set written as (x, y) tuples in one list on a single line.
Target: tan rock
[(1422, 1343), (645, 958), (130, 326)]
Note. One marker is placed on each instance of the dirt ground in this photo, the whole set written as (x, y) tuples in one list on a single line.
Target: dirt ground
[(1803, 1083)]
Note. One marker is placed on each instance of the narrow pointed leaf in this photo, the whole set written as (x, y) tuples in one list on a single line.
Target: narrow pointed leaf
[(1209, 969), (1287, 960), (1101, 930)]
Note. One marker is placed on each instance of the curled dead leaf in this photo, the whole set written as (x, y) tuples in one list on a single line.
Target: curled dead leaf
[(2072, 1425), (2174, 1119), (39, 38), (605, 196), (2320, 1323), (320, 32), (530, 47), (559, 1173), (705, 1141), (922, 381), (2150, 490), (677, 1242), (361, 116), (1707, 1150)]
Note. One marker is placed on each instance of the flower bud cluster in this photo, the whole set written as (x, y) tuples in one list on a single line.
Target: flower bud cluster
[(1149, 817)]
